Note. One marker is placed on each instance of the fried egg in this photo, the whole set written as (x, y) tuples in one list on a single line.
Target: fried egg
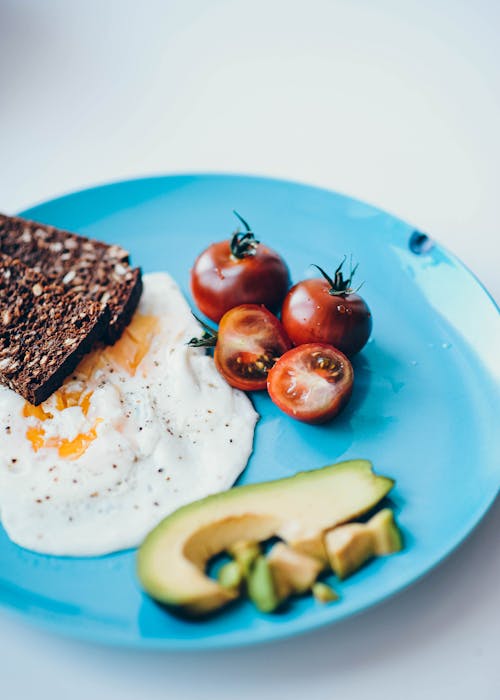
[(138, 430)]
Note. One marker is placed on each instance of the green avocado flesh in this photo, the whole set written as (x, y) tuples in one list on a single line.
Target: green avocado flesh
[(244, 553), (230, 576), (261, 587), (387, 538), (324, 593), (171, 561)]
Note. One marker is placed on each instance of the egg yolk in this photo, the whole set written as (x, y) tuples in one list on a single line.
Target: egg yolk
[(127, 353), (35, 436), (36, 411)]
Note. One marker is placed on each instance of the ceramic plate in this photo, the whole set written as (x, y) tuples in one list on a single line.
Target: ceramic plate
[(424, 410)]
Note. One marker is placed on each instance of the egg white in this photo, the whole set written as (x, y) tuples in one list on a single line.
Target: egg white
[(173, 432)]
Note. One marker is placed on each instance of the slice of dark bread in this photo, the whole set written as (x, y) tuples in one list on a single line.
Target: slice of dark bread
[(91, 268), (44, 330)]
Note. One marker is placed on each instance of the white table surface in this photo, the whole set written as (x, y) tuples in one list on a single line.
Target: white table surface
[(395, 102)]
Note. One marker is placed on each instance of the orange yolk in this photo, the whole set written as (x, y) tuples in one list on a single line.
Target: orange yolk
[(130, 350), (36, 411), (67, 449), (35, 436), (127, 353)]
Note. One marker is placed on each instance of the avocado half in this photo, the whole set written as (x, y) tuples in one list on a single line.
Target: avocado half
[(171, 561)]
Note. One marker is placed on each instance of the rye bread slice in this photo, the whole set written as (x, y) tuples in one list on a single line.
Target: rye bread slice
[(44, 330), (85, 266)]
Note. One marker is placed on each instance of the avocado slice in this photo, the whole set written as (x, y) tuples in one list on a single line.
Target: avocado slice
[(172, 559), (348, 548), (387, 537), (293, 572)]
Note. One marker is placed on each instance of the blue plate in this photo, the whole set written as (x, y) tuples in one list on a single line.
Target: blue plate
[(425, 405)]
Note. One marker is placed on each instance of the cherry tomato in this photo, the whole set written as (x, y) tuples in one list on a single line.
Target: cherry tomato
[(249, 341), (238, 271), (311, 383), (327, 311)]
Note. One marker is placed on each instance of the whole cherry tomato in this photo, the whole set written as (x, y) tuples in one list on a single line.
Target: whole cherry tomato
[(249, 341), (311, 383), (238, 271), (327, 311)]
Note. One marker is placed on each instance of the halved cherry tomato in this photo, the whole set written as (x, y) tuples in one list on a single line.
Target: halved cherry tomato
[(249, 341), (311, 382), (238, 271), (327, 311)]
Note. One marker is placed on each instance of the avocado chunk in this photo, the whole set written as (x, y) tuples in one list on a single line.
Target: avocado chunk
[(324, 593), (245, 553), (172, 560), (293, 572), (230, 575), (312, 546), (348, 548), (261, 588), (387, 537)]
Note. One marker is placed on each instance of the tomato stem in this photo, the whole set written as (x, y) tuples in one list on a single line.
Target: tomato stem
[(338, 285), (208, 338), (243, 244), (248, 228)]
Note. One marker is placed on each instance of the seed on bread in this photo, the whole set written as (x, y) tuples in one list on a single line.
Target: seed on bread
[(86, 267), (44, 333)]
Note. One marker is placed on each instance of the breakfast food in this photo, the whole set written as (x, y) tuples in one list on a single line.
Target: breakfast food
[(299, 509), (327, 311), (293, 572), (247, 344), (90, 268), (260, 586), (325, 319), (241, 270), (145, 433), (311, 383), (44, 331), (139, 429), (249, 340), (324, 593), (349, 546)]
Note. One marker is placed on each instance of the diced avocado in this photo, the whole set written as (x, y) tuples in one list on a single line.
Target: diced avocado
[(261, 588), (293, 572), (245, 553), (324, 593), (171, 561), (230, 575), (349, 547), (312, 546), (387, 537)]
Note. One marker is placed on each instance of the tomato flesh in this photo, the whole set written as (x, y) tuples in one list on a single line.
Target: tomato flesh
[(311, 383), (311, 314), (220, 281), (249, 342)]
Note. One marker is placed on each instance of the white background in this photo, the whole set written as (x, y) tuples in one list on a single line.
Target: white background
[(393, 101)]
